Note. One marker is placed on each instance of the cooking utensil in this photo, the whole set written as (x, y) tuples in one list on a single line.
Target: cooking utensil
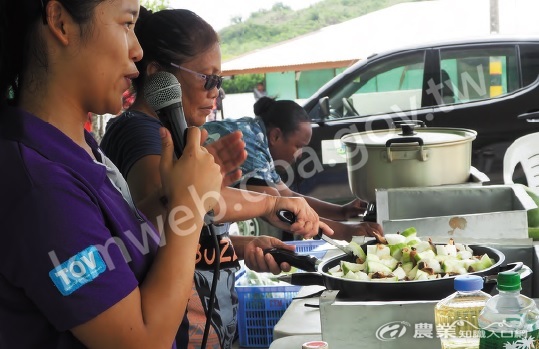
[(335, 243), (434, 289), (407, 157), (290, 218)]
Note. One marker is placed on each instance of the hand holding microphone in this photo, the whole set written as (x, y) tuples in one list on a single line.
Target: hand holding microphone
[(194, 176), (198, 170), (163, 93)]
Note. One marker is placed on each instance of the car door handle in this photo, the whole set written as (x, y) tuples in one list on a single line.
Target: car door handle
[(530, 117)]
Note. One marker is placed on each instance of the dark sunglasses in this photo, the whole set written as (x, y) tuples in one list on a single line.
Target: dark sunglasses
[(211, 80)]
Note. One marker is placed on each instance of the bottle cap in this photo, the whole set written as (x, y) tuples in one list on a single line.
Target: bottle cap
[(508, 281), (468, 283), (315, 345)]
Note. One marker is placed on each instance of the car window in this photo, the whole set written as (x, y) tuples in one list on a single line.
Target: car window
[(470, 74), (391, 85), (386, 86), (529, 60)]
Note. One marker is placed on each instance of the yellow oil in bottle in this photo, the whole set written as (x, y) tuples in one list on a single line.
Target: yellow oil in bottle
[(456, 316)]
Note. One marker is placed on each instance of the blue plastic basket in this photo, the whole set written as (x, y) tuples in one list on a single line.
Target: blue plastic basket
[(260, 308), (307, 247)]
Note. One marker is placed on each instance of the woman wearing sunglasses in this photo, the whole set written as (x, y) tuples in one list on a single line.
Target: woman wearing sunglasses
[(182, 43), (276, 138)]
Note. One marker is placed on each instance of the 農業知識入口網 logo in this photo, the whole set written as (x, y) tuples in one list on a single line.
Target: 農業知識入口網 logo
[(392, 330), (78, 270)]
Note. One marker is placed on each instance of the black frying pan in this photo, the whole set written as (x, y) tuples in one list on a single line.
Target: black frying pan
[(317, 274)]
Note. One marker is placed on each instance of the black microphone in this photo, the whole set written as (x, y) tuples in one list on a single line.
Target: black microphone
[(163, 93)]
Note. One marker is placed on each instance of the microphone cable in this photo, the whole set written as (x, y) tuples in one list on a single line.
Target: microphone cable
[(216, 272)]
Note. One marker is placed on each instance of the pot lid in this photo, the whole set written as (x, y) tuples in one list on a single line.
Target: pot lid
[(429, 135)]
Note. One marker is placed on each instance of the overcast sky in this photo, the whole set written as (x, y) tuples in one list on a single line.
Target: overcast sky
[(220, 12)]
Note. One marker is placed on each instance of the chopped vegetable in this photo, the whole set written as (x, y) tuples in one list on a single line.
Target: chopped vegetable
[(406, 257)]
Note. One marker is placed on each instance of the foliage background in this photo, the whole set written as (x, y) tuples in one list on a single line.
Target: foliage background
[(280, 23), (155, 5)]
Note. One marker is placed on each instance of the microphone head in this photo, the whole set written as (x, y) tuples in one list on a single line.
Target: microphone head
[(161, 90)]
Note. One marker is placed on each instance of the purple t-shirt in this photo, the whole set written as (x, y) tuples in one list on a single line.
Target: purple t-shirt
[(72, 246)]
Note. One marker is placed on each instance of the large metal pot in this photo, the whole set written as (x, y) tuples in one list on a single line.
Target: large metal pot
[(389, 290), (407, 157)]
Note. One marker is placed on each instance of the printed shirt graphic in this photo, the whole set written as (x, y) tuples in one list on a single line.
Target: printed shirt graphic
[(61, 213), (78, 270), (259, 163)]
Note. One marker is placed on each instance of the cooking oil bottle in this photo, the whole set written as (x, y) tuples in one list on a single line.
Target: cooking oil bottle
[(509, 319), (456, 315)]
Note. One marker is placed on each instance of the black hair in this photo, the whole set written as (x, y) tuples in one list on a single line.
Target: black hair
[(19, 40), (283, 114), (171, 36)]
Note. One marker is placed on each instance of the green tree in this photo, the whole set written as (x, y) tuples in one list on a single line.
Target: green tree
[(280, 23), (242, 83), (155, 5)]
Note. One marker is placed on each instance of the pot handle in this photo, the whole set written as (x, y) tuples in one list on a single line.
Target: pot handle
[(418, 140), (518, 267), (401, 140)]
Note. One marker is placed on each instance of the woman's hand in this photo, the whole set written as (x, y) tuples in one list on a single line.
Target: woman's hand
[(256, 260), (354, 208), (229, 153), (370, 229), (193, 177), (307, 223)]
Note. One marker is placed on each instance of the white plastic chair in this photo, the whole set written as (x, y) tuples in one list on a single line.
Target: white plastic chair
[(524, 150)]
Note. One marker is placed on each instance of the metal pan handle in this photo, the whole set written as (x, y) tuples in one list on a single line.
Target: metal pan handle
[(303, 262), (518, 267), (303, 279)]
